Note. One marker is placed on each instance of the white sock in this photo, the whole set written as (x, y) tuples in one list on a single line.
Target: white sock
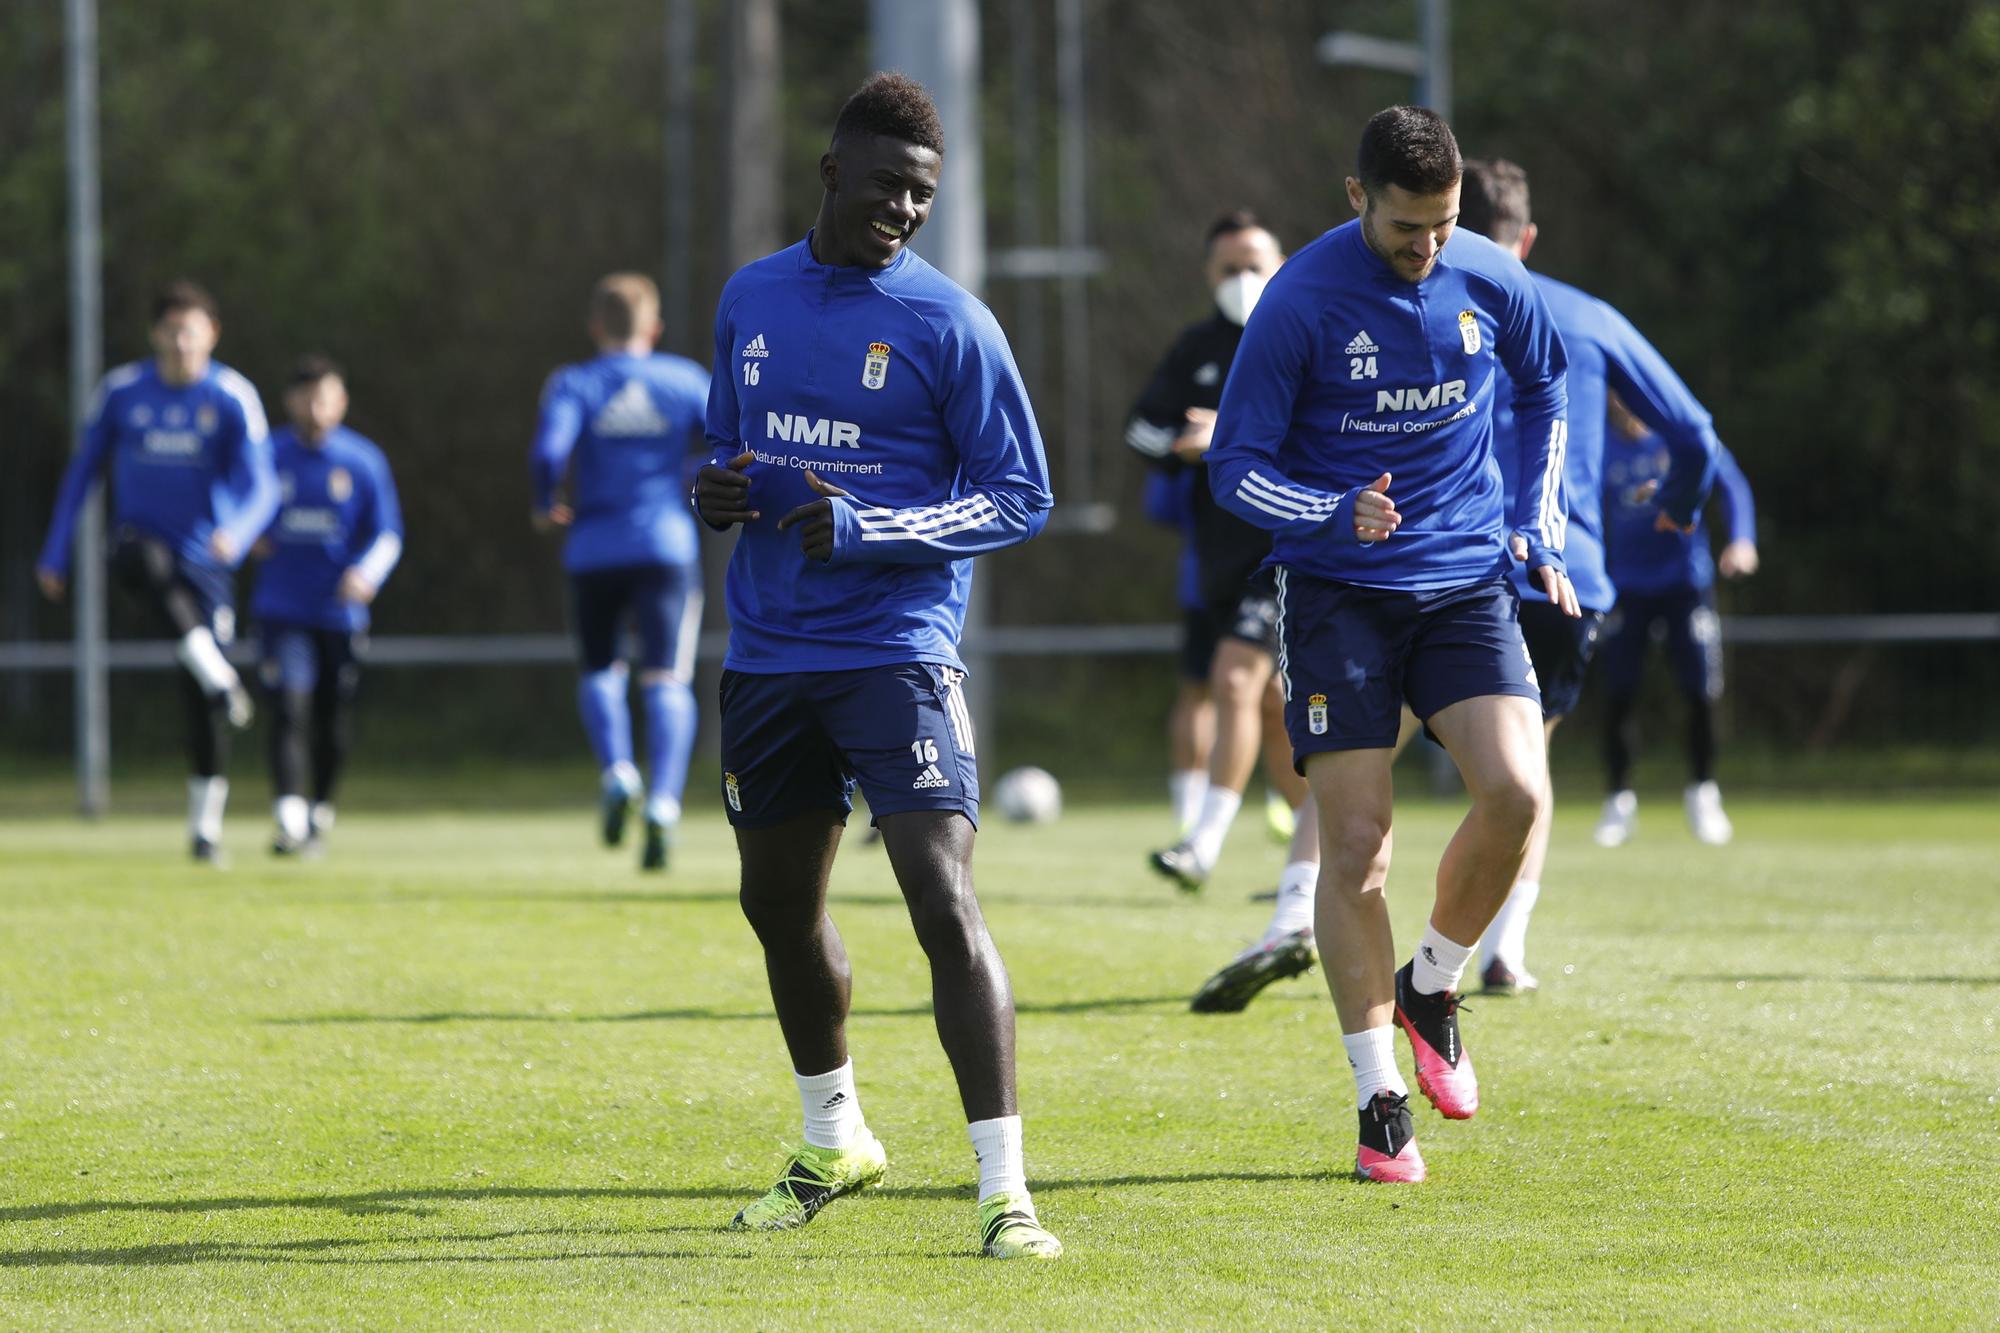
[(1372, 1056), (206, 798), (997, 1145), (198, 652), (1438, 963), (1297, 888), (1187, 786), (294, 817), (832, 1107), (1509, 931), (322, 817), (1218, 811), (621, 776), (663, 809)]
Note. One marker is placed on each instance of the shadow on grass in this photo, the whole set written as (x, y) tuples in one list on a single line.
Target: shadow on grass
[(699, 1015), (416, 1202), (1844, 979), (667, 897)]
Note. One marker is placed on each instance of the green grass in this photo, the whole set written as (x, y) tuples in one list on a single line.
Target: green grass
[(473, 1069)]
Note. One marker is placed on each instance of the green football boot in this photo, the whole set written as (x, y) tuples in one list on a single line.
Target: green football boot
[(1009, 1229), (815, 1177)]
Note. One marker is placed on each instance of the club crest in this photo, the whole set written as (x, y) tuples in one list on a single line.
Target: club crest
[(875, 366), (1468, 331), (1316, 714), (339, 485)]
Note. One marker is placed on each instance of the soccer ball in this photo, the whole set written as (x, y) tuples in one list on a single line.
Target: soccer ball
[(1029, 795)]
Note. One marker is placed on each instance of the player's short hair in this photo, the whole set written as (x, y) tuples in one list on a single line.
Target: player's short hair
[(895, 106), (184, 295), (1235, 220), (312, 368), (625, 305), (1493, 200), (1409, 147)]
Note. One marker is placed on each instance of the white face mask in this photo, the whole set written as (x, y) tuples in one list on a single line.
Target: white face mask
[(1236, 297)]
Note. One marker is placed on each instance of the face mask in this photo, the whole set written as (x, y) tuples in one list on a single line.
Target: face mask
[(1236, 297)]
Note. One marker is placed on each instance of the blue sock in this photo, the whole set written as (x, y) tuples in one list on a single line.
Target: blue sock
[(670, 724), (607, 717)]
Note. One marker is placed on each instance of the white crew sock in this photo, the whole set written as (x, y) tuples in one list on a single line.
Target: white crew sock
[(206, 798), (663, 809), (997, 1145), (1187, 786), (1297, 888), (294, 817), (1372, 1056), (832, 1107), (198, 652), (322, 817), (1218, 811), (1438, 963), (621, 776), (1507, 938)]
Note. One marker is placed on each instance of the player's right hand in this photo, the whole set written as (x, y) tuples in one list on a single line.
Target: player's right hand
[(722, 494), (1375, 515), (53, 585), (1196, 436)]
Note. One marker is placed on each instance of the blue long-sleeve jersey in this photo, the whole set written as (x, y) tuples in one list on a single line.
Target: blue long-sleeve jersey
[(622, 427), (186, 460), (1605, 351), (338, 511), (1348, 371), (1644, 560), (896, 385)]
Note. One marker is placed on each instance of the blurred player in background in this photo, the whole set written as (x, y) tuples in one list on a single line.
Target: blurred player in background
[(192, 486), (1605, 352), (337, 534), (1368, 373), (1169, 502), (1171, 425), (620, 430), (846, 361), (1666, 589)]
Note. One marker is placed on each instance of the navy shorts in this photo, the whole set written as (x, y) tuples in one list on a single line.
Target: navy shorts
[(661, 602), (1251, 614), (801, 741), (1197, 650), (1351, 656), (1685, 618), (149, 566), (298, 658), (1561, 647)]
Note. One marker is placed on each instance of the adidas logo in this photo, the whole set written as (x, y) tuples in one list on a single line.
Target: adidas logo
[(929, 778), (755, 347), (833, 1101), (1430, 955), (1361, 344), (630, 412)]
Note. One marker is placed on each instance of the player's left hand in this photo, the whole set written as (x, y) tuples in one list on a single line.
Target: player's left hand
[(548, 520), (1552, 581), (223, 547), (355, 588), (1738, 559), (1196, 435), (815, 519), (1664, 522)]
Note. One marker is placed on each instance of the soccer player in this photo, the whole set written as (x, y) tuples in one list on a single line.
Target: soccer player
[(1666, 586), (1357, 427), (622, 428), (1172, 425), (192, 486), (337, 534), (1605, 352), (1191, 721), (846, 358)]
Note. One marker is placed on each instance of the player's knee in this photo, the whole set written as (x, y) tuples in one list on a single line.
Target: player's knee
[(947, 920), (1356, 836), (776, 918), (1513, 801)]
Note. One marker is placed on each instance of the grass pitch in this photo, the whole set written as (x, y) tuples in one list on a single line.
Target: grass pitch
[(472, 1068)]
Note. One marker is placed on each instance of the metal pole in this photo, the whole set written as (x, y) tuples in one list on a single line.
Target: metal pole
[(1030, 334), (678, 298), (937, 43), (1436, 89), (86, 359), (1073, 220), (754, 134)]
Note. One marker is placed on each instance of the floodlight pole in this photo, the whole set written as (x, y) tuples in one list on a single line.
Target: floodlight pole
[(1427, 61), (86, 364), (936, 42), (678, 133)]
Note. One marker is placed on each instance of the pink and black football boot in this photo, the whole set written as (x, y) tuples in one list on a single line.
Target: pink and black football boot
[(1444, 1070), (1388, 1151)]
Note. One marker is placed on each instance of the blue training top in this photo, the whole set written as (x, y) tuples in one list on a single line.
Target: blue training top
[(1348, 371), (1643, 559), (1606, 351), (623, 426), (897, 386), (186, 461), (339, 511)]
